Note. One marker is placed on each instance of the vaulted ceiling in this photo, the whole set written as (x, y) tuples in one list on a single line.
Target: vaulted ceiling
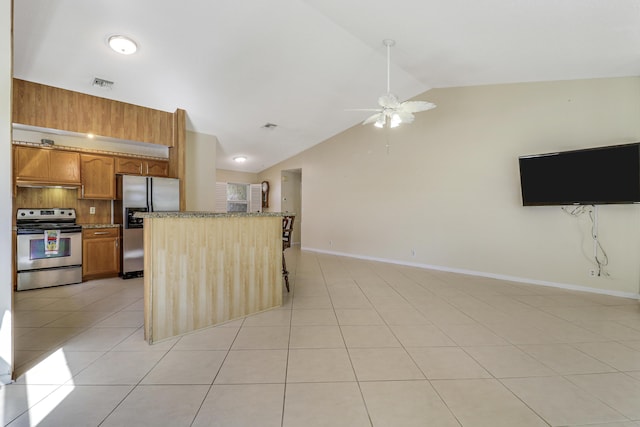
[(235, 65)]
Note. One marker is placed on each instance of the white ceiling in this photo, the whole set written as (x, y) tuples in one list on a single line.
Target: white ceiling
[(235, 65)]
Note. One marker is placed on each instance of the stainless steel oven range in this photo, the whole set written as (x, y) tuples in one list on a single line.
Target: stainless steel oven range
[(48, 249)]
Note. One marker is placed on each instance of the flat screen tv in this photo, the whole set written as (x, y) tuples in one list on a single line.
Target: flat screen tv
[(603, 175)]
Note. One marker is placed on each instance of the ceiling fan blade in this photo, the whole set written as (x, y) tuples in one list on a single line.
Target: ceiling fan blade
[(388, 101), (373, 119), (405, 116), (392, 111), (416, 106)]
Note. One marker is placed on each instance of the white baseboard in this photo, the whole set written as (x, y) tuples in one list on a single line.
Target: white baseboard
[(484, 274)]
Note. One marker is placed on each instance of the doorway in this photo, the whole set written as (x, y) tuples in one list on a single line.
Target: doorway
[(291, 199)]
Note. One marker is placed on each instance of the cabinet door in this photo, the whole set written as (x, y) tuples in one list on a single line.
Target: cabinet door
[(30, 163), (100, 253), (98, 177), (64, 166), (129, 166), (156, 168)]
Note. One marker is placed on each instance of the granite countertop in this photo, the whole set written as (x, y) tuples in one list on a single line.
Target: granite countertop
[(100, 226), (209, 214)]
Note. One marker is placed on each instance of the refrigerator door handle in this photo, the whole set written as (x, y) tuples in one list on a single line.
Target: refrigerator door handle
[(149, 195)]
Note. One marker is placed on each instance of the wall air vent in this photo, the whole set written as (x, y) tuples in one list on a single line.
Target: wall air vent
[(102, 83), (269, 126)]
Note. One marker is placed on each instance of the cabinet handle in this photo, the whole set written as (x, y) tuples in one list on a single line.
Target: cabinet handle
[(117, 243), (147, 168), (97, 233), (82, 191), (140, 168)]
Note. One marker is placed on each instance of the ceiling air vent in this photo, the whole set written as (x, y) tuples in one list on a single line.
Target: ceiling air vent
[(102, 83), (270, 126)]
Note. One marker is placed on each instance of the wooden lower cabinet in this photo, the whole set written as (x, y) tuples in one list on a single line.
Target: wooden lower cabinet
[(100, 253)]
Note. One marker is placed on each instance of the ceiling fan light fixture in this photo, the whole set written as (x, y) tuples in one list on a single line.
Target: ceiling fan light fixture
[(395, 121), (123, 45), (389, 104)]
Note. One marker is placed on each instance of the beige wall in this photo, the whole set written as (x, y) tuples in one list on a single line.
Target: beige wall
[(224, 175), (200, 172), (448, 186), (6, 285)]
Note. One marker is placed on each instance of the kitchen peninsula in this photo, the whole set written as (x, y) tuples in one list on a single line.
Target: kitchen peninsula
[(204, 268)]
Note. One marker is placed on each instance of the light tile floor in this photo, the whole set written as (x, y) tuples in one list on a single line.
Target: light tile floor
[(356, 343)]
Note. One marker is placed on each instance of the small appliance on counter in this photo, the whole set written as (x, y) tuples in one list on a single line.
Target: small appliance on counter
[(141, 194), (48, 248)]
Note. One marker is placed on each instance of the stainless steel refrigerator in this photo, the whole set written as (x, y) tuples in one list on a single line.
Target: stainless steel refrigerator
[(141, 194)]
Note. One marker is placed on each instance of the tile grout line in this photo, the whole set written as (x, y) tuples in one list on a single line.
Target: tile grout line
[(213, 381)]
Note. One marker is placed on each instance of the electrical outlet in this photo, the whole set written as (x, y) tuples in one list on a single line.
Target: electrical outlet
[(593, 273), (413, 252), (92, 210)]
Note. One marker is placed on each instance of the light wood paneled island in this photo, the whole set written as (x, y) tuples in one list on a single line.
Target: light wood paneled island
[(202, 269)]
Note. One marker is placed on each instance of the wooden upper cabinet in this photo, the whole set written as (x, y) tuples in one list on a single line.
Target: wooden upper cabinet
[(46, 165), (129, 166), (98, 177), (157, 168), (30, 163), (64, 166), (49, 107), (135, 166)]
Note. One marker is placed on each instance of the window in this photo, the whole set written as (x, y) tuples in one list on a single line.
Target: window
[(237, 197)]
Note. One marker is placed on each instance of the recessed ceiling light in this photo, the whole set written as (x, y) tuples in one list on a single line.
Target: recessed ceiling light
[(240, 159), (123, 45)]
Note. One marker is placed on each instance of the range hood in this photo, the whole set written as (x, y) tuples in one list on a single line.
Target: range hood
[(36, 184)]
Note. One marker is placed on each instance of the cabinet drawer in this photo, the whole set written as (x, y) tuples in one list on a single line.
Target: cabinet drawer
[(97, 233)]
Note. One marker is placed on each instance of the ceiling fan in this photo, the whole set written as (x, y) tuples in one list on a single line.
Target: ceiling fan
[(391, 110)]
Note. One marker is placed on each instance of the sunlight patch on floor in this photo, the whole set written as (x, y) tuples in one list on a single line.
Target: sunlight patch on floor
[(50, 370)]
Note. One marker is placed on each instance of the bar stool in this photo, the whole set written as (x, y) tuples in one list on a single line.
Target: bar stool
[(287, 233)]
